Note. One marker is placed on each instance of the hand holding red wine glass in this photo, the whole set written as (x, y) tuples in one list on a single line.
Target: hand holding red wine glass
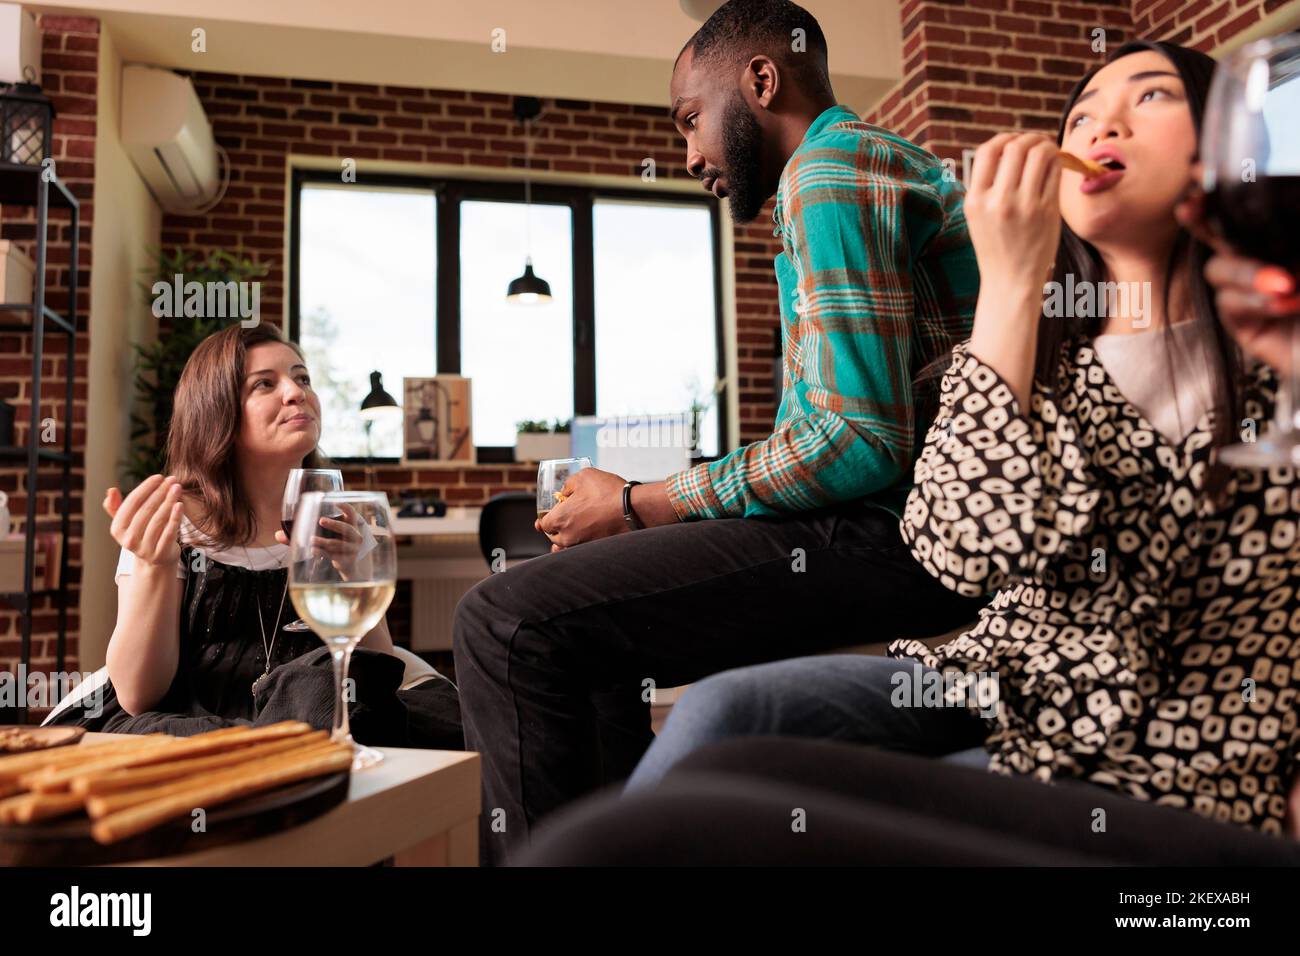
[(301, 481), (1250, 152)]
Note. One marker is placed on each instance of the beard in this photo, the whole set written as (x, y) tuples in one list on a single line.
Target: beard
[(742, 146)]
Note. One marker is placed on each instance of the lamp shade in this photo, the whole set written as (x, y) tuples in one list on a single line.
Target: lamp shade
[(26, 121), (528, 287), (378, 403)]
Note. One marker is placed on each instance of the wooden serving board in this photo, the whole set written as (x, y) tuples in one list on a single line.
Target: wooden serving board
[(68, 842)]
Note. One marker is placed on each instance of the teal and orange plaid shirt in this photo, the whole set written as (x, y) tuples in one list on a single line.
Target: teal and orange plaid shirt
[(877, 278)]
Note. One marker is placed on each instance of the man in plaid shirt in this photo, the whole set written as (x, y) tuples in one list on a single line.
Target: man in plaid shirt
[(790, 545)]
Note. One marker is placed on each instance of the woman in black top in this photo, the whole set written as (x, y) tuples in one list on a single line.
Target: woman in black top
[(202, 581)]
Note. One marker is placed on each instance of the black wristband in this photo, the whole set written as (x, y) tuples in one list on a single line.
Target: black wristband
[(628, 514)]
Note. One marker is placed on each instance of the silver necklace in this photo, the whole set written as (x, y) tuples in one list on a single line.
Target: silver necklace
[(275, 633)]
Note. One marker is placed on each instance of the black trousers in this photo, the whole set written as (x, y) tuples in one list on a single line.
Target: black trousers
[(792, 801), (555, 656)]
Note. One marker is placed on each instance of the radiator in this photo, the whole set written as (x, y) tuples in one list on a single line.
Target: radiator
[(440, 572), (433, 601)]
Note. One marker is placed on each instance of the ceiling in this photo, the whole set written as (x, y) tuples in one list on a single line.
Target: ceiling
[(615, 50)]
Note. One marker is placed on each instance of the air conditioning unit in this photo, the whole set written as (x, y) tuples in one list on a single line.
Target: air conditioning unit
[(168, 137)]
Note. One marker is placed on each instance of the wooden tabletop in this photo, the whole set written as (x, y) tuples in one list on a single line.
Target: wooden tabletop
[(419, 806)]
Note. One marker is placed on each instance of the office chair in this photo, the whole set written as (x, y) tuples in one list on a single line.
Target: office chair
[(507, 523)]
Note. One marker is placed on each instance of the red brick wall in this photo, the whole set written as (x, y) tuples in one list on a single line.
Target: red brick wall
[(975, 69), (1203, 24), (70, 61), (980, 67)]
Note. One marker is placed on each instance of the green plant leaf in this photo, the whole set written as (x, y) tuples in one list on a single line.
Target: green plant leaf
[(159, 363)]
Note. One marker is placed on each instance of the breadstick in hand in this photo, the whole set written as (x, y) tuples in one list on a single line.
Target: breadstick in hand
[(1089, 169)]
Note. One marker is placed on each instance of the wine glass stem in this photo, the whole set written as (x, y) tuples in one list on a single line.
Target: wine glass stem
[(342, 658)]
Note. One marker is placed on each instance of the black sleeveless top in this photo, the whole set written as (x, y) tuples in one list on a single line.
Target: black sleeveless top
[(221, 649), (222, 654)]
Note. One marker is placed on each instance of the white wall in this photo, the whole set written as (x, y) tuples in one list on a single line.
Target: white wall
[(126, 222)]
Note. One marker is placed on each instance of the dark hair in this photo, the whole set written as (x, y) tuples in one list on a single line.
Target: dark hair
[(1078, 257), (206, 417), (741, 29)]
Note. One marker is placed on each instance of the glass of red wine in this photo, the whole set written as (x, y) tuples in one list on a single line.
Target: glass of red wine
[(301, 481), (1250, 152)]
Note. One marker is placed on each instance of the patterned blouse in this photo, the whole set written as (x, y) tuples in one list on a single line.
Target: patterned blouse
[(1139, 637)]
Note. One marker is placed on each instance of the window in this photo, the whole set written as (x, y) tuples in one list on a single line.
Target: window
[(408, 277), (518, 358), (656, 339), (367, 272)]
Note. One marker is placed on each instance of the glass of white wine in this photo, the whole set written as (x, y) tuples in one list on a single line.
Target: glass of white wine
[(342, 574)]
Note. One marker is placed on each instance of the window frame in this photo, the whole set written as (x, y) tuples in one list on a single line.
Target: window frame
[(448, 193)]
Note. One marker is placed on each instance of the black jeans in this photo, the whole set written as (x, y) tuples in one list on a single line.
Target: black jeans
[(554, 657), (736, 803)]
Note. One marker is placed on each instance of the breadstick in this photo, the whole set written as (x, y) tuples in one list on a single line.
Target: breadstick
[(103, 804), (1089, 169), (13, 766), (92, 784), (252, 779), (220, 732), (226, 736), (9, 807), (54, 780), (46, 806), (16, 809)]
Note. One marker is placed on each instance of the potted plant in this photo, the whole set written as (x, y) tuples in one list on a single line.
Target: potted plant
[(159, 364), (538, 440)]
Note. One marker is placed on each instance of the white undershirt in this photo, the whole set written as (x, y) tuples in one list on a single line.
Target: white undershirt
[(1138, 364), (254, 558)]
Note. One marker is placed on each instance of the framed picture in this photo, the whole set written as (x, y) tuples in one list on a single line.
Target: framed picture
[(436, 414)]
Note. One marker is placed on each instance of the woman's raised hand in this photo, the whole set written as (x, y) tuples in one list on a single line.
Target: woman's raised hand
[(147, 523), (1013, 210), (1013, 214)]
